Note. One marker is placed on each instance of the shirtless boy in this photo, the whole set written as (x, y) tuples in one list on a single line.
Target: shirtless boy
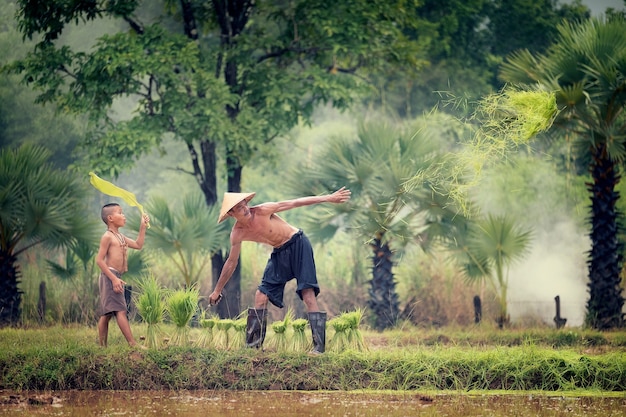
[(113, 262), (292, 257)]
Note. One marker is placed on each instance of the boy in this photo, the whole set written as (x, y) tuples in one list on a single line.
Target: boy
[(292, 257), (113, 262)]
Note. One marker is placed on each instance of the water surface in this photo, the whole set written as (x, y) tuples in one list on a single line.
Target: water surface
[(299, 403)]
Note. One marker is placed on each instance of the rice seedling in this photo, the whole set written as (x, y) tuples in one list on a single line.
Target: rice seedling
[(223, 335), (239, 326), (151, 306), (354, 336), (182, 304), (300, 342), (279, 340), (207, 324), (339, 341)]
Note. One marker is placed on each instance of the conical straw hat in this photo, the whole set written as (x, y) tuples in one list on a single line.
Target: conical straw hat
[(230, 201)]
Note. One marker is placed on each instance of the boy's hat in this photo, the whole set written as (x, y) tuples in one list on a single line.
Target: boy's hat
[(230, 201)]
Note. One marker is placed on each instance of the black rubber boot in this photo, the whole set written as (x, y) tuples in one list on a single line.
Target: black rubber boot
[(317, 321), (256, 327)]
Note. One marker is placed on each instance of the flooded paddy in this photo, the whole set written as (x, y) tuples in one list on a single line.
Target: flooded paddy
[(302, 403)]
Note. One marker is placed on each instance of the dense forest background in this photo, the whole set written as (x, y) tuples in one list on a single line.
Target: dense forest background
[(460, 46)]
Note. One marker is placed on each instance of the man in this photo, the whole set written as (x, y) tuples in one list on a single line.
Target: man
[(292, 257)]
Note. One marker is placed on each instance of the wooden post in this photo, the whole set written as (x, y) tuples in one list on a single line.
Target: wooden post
[(560, 321), (478, 311), (41, 304)]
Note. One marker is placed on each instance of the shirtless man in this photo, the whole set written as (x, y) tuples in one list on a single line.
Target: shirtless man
[(292, 257), (113, 262)]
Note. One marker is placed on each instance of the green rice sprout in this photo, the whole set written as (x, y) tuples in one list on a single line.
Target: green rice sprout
[(299, 340), (279, 339), (151, 308), (223, 335), (207, 324), (182, 304), (339, 341), (354, 338), (240, 326)]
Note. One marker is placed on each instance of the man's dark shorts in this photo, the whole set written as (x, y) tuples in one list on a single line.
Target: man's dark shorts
[(292, 260)]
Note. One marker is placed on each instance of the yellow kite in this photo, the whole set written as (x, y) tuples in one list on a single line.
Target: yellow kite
[(113, 190)]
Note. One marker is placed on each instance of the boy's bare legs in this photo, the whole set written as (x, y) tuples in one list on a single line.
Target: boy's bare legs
[(124, 325), (103, 329)]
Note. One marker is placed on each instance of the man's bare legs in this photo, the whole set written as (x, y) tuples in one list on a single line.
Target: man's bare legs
[(122, 322), (308, 296)]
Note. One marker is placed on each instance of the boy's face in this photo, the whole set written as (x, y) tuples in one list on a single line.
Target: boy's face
[(116, 217)]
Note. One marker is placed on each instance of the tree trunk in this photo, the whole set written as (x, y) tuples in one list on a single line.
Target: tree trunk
[(604, 307), (10, 295), (383, 298)]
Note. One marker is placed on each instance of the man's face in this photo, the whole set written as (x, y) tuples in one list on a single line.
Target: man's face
[(240, 209)]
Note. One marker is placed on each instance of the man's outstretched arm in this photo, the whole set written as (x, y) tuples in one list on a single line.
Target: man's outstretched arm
[(340, 196)]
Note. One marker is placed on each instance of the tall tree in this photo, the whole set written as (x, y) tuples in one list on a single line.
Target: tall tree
[(586, 68), (224, 77), (39, 205)]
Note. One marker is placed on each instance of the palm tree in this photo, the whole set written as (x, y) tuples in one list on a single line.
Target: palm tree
[(187, 234), (586, 68), (375, 166), (38, 205), (490, 247)]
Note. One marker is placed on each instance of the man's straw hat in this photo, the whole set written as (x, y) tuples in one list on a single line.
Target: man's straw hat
[(230, 201)]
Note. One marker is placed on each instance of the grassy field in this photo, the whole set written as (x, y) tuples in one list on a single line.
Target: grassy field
[(466, 359)]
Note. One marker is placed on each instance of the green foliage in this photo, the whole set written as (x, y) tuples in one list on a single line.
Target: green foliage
[(38, 206), (79, 270), (186, 232), (491, 246)]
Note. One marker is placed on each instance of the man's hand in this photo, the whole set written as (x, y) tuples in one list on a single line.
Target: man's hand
[(340, 196), (215, 298)]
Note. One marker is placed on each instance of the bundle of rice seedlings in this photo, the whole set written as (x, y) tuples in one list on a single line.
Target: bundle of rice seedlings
[(206, 336), (354, 336), (339, 341), (279, 339), (299, 339), (240, 325), (181, 306), (151, 308), (223, 335)]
